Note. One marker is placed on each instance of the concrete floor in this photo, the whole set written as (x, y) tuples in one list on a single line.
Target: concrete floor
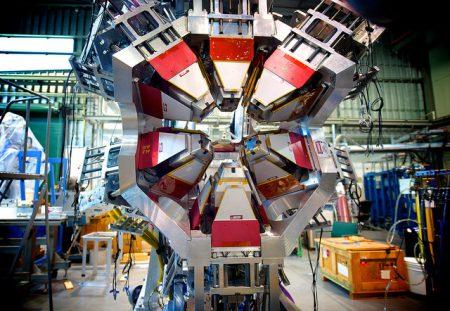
[(90, 295), (333, 297)]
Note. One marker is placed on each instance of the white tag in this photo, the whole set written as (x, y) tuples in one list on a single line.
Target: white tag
[(325, 253), (342, 269), (386, 274), (405, 185), (429, 204)]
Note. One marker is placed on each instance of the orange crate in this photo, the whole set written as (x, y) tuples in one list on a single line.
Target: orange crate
[(362, 266)]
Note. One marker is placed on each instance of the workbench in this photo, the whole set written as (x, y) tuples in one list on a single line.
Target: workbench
[(19, 217)]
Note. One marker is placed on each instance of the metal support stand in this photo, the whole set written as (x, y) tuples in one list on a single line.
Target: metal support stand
[(145, 301), (274, 287), (199, 287)]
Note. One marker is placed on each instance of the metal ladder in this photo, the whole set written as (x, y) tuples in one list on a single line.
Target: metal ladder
[(92, 165), (344, 167)]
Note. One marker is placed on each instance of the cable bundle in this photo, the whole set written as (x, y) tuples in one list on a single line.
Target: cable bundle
[(367, 104), (314, 272)]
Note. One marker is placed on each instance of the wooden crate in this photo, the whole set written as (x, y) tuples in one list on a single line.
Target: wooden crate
[(137, 258), (362, 266)]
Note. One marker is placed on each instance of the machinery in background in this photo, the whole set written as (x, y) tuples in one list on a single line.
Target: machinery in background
[(430, 231), (411, 202), (90, 188), (223, 233), (389, 193), (100, 170)]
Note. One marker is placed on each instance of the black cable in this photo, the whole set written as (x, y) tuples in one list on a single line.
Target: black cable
[(396, 260), (355, 193), (377, 106), (388, 285), (127, 268), (367, 105), (114, 290), (314, 272)]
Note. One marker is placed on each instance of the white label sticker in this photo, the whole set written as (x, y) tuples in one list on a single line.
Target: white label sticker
[(386, 274), (342, 269), (429, 204), (405, 185), (325, 253)]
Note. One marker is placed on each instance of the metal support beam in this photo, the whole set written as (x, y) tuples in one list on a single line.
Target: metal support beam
[(399, 147), (199, 287)]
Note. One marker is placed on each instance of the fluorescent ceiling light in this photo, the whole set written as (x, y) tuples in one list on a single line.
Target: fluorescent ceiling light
[(36, 45), (27, 62)]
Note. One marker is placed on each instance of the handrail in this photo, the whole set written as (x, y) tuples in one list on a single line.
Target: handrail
[(15, 101), (26, 90)]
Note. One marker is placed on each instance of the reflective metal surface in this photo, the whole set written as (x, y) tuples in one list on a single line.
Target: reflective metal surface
[(264, 187)]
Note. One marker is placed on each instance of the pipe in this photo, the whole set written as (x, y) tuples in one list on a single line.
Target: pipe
[(398, 147), (419, 221)]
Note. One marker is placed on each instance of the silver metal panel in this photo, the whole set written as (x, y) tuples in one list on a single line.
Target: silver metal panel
[(199, 249), (272, 247), (198, 24), (181, 26), (262, 7), (282, 30), (338, 70), (281, 205), (197, 7), (263, 25), (199, 287), (274, 287), (124, 62), (291, 227), (176, 232), (230, 29)]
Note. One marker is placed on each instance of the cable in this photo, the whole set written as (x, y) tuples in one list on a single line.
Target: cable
[(388, 285), (367, 106), (114, 290), (112, 134), (127, 268), (397, 202), (377, 106), (314, 272), (355, 193), (391, 230)]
